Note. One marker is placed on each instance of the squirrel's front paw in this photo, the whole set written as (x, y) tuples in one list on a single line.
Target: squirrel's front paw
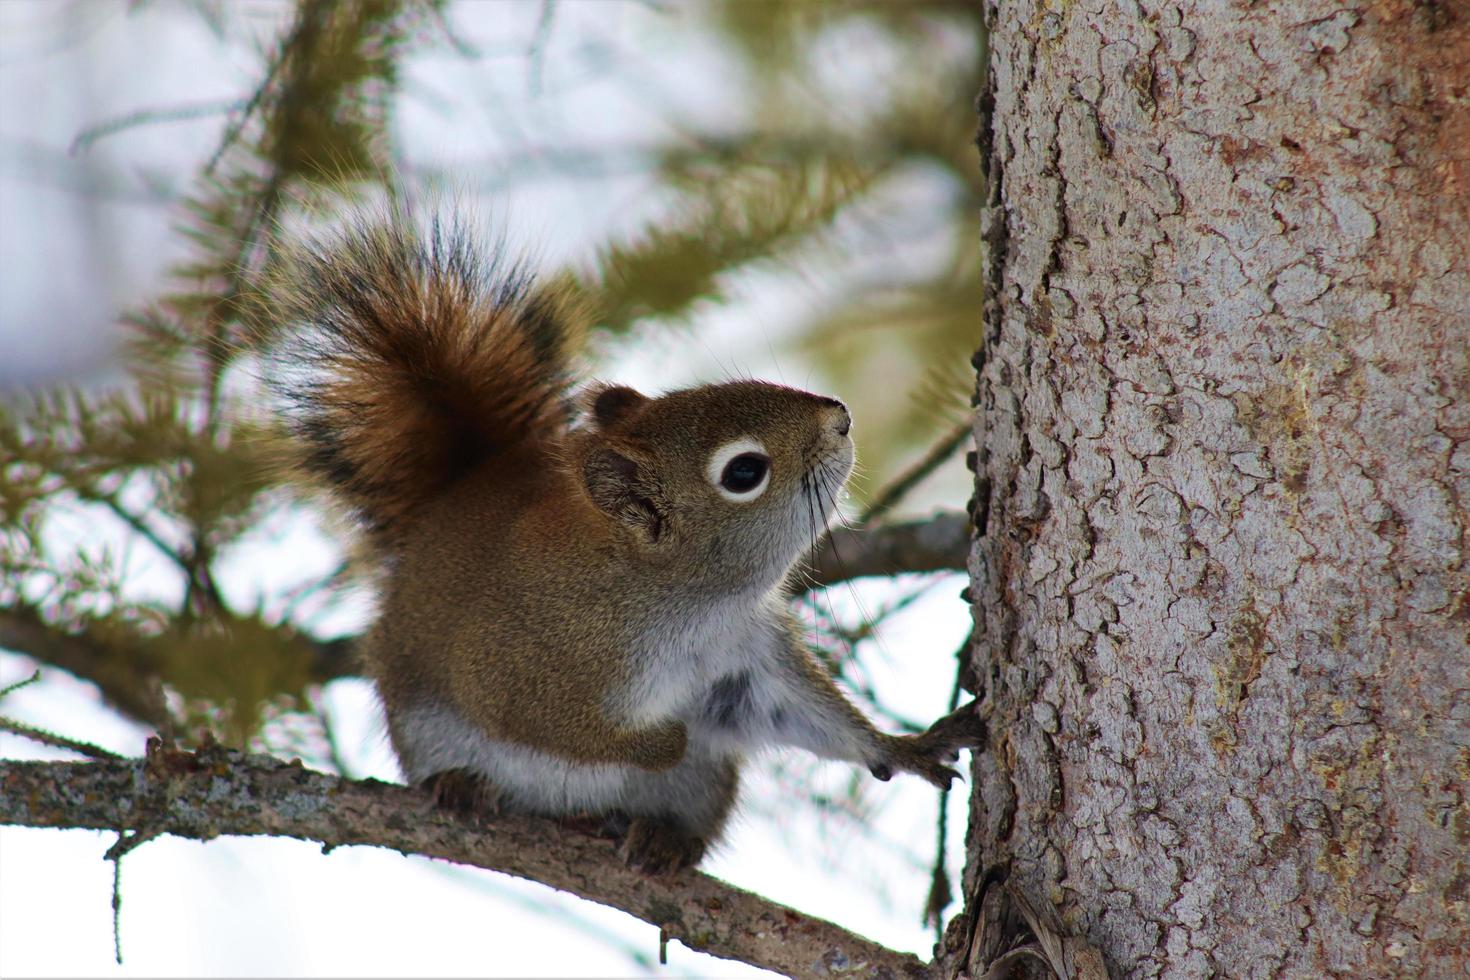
[(655, 846), (927, 754)]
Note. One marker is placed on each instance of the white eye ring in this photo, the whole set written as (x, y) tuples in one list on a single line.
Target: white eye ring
[(721, 458)]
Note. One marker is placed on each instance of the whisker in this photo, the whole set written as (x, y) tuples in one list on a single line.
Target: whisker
[(837, 510), (812, 585), (868, 623), (815, 484), (808, 490), (833, 488)]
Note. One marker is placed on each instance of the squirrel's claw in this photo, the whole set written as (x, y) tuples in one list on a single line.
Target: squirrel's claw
[(939, 776), (926, 755)]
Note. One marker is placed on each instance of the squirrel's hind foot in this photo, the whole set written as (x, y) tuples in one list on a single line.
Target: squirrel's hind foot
[(657, 845), (464, 791)]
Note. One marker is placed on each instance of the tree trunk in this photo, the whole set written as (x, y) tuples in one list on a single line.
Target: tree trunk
[(1224, 427)]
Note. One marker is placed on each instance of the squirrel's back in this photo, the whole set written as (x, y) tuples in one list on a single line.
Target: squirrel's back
[(413, 360)]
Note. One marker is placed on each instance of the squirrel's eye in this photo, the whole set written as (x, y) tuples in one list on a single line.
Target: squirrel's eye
[(745, 472), (740, 470)]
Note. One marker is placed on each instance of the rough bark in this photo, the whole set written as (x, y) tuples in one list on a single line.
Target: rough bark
[(216, 792), (1223, 472)]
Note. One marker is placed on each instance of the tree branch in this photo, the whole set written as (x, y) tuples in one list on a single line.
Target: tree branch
[(217, 791), (938, 543), (127, 685)]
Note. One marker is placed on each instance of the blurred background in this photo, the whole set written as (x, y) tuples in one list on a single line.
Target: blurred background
[(781, 190)]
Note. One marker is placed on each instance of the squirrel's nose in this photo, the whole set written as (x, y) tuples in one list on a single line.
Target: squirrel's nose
[(840, 417)]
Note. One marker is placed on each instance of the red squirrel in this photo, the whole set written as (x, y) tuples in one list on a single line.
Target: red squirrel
[(584, 609)]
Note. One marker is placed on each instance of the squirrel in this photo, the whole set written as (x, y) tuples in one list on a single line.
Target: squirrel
[(583, 614)]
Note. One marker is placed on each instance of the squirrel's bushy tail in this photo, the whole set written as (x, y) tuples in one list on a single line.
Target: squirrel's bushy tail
[(410, 360)]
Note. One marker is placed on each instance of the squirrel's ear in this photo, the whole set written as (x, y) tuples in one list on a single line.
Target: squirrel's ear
[(613, 404), (613, 485)]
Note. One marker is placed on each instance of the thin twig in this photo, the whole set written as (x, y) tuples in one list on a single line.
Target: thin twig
[(147, 117), (126, 842), (233, 131), (940, 892), (895, 491), (5, 691), (305, 591), (56, 741), (135, 522)]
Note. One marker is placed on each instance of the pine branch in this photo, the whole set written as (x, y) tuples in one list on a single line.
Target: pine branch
[(216, 791), (750, 213)]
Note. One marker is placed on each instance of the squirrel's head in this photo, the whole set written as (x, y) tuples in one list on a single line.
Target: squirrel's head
[(731, 482)]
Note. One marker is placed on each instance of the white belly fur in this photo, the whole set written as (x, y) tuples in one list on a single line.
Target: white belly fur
[(433, 740)]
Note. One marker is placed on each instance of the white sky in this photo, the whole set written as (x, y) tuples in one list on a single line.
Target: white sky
[(70, 260)]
